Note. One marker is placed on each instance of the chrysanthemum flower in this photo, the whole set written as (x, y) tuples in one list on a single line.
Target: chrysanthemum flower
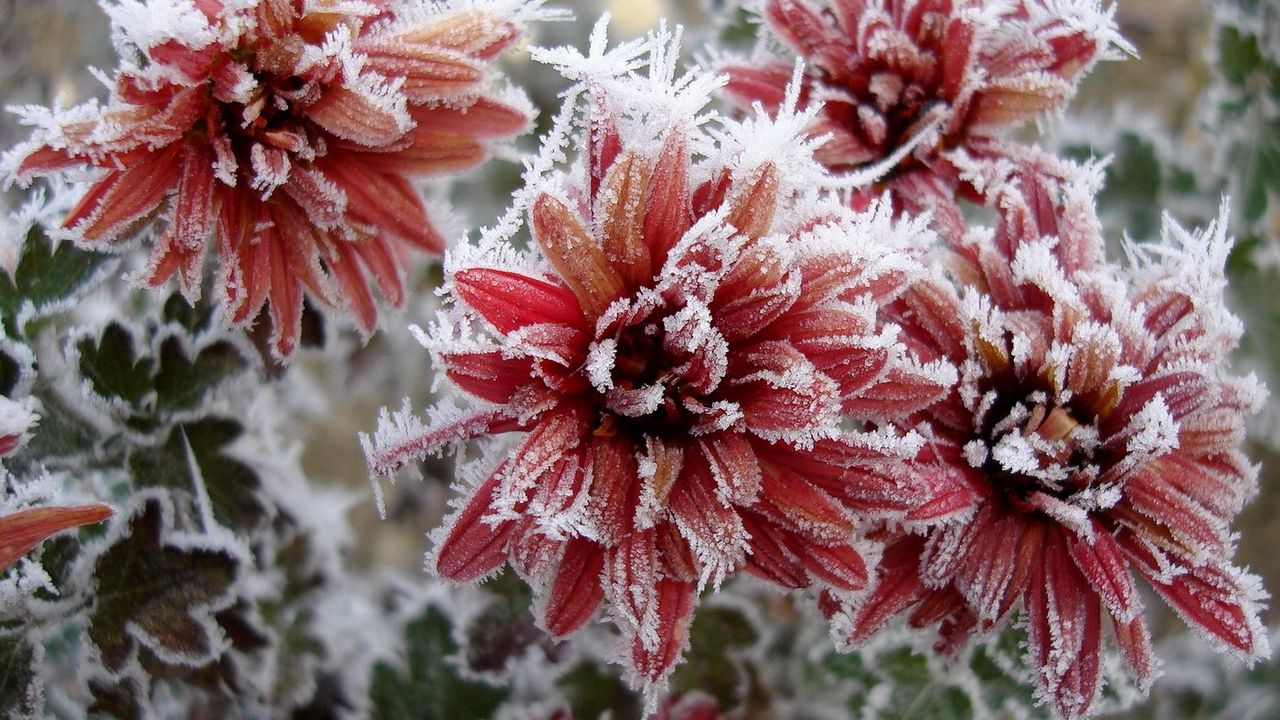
[(679, 356), (286, 130), (1100, 430), (918, 79)]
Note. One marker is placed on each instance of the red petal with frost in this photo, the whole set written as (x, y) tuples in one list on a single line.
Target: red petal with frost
[(903, 391), (781, 392), (768, 557), (576, 255), (758, 290), (1135, 645), (427, 153), (428, 73), (353, 116), (383, 260), (472, 548), (45, 160), (810, 512), (753, 202), (897, 587), (539, 458), (1163, 504), (284, 294), (1016, 100), (488, 375), (387, 460), (615, 487), (344, 266), (733, 464), (957, 50), (22, 531), (1064, 621), (575, 592), (620, 214), (631, 577), (477, 33), (668, 214), (1104, 567), (244, 277), (712, 528), (603, 145), (798, 24), (840, 566), (1215, 598), (510, 301), (385, 200), (766, 85), (674, 556), (532, 553), (676, 601), (125, 195), (484, 118)]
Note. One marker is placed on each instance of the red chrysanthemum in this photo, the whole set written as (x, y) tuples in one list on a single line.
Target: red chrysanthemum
[(288, 131), (680, 365), (925, 78), (1099, 429)]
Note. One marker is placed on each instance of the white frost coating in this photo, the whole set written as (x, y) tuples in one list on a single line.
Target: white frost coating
[(148, 23), (17, 418), (600, 362), (1152, 432)]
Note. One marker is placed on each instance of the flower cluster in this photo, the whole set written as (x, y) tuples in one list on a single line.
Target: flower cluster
[(1094, 422), (287, 133), (733, 344)]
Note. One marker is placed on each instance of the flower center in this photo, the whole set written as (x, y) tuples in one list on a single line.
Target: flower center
[(640, 356), (1029, 445), (656, 367)]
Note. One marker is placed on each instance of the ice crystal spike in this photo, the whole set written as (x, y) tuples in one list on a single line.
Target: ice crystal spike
[(680, 360), (1098, 430), (910, 83), (285, 135)]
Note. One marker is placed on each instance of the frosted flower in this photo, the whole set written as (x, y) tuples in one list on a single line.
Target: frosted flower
[(678, 355), (1099, 429), (287, 132), (925, 77)]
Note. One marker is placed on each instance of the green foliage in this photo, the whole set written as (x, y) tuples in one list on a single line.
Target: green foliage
[(193, 456), (162, 594), (47, 278), (157, 374), (18, 687), (716, 635), (898, 678), (592, 691), (429, 686), (1248, 116), (1143, 180), (505, 628)]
